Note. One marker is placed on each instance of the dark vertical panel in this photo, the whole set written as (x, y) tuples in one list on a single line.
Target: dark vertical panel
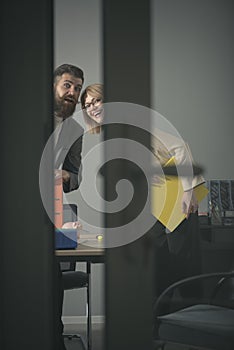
[(26, 234), (128, 268), (126, 33)]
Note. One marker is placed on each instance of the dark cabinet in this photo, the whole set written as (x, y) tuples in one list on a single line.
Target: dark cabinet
[(217, 247)]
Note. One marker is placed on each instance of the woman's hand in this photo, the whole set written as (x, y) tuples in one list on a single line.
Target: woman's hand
[(158, 180), (189, 203), (73, 224), (61, 174)]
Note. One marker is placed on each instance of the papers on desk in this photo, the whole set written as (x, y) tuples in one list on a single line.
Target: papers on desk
[(67, 238), (90, 238), (166, 199)]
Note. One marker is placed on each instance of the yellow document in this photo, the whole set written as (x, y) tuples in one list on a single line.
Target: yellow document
[(166, 199)]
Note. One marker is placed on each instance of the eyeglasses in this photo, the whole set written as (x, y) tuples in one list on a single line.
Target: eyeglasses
[(95, 103)]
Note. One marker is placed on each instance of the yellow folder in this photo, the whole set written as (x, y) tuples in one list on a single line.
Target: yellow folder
[(166, 199)]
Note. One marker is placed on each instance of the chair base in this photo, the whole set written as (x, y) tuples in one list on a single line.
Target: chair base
[(159, 345), (71, 337)]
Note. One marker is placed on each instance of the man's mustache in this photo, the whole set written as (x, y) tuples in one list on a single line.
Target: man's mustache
[(69, 98)]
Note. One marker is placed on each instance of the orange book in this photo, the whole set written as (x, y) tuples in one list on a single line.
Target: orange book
[(58, 203)]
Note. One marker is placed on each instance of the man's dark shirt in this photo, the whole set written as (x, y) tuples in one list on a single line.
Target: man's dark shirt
[(68, 153)]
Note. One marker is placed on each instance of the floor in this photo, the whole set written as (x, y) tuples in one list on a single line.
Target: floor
[(76, 344), (97, 338)]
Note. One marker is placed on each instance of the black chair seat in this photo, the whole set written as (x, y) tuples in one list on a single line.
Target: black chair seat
[(74, 279), (204, 325), (208, 326)]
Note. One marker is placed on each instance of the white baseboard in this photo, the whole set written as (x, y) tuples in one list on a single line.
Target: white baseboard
[(82, 319)]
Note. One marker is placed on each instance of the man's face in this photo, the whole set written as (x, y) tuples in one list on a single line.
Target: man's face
[(66, 93)]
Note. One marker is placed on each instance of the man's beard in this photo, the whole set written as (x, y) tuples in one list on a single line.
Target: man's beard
[(63, 109)]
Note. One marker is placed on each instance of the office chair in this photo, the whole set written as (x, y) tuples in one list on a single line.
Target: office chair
[(73, 279), (205, 325)]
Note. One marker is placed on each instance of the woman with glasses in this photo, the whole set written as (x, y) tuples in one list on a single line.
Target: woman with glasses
[(92, 105), (177, 254)]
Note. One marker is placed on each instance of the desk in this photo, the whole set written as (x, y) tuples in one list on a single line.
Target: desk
[(82, 253), (89, 254)]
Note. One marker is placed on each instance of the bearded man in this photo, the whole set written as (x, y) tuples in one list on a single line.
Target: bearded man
[(68, 82), (68, 134)]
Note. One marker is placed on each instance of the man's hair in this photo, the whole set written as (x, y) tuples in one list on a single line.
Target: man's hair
[(69, 69)]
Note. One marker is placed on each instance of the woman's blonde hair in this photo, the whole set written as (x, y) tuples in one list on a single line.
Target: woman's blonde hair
[(96, 91)]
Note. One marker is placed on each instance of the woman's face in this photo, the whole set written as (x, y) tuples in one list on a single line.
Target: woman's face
[(94, 108)]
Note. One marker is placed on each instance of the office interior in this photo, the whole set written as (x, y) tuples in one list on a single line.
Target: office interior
[(181, 66)]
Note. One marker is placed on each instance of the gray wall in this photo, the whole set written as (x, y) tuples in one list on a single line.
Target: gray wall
[(192, 81), (78, 38), (192, 77)]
